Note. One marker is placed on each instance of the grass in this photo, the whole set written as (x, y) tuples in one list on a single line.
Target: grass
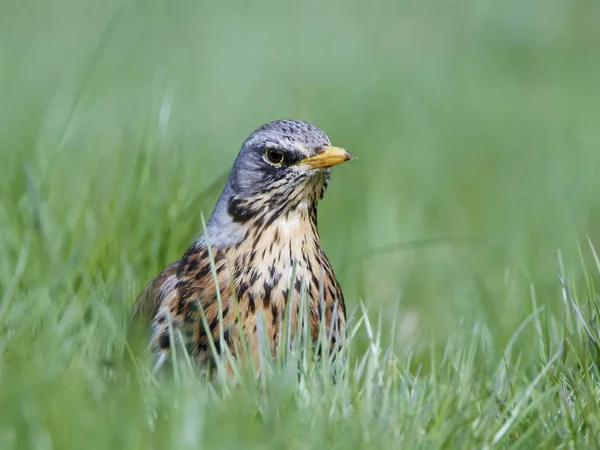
[(464, 236)]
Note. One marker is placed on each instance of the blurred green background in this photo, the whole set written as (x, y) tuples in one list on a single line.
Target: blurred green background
[(475, 123)]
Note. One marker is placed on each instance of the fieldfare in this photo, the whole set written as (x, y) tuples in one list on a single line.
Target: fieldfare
[(260, 251)]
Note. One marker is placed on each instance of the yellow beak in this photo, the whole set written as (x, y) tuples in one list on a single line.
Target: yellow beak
[(329, 156)]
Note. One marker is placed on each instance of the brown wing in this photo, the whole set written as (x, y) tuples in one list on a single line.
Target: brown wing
[(146, 305), (172, 305), (149, 299)]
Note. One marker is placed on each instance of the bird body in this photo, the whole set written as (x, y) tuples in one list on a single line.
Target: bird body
[(259, 253)]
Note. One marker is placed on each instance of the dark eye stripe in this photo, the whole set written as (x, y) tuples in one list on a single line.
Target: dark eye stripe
[(293, 158)]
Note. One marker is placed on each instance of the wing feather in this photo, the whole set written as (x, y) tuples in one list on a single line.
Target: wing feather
[(147, 303)]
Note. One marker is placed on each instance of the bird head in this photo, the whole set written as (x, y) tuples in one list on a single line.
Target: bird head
[(282, 166), (285, 157)]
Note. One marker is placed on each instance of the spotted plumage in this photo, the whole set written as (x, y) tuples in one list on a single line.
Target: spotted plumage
[(265, 249)]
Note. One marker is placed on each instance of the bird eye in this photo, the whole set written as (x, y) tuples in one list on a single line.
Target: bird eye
[(274, 156)]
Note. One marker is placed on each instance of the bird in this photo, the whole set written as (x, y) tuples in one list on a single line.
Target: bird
[(260, 251)]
